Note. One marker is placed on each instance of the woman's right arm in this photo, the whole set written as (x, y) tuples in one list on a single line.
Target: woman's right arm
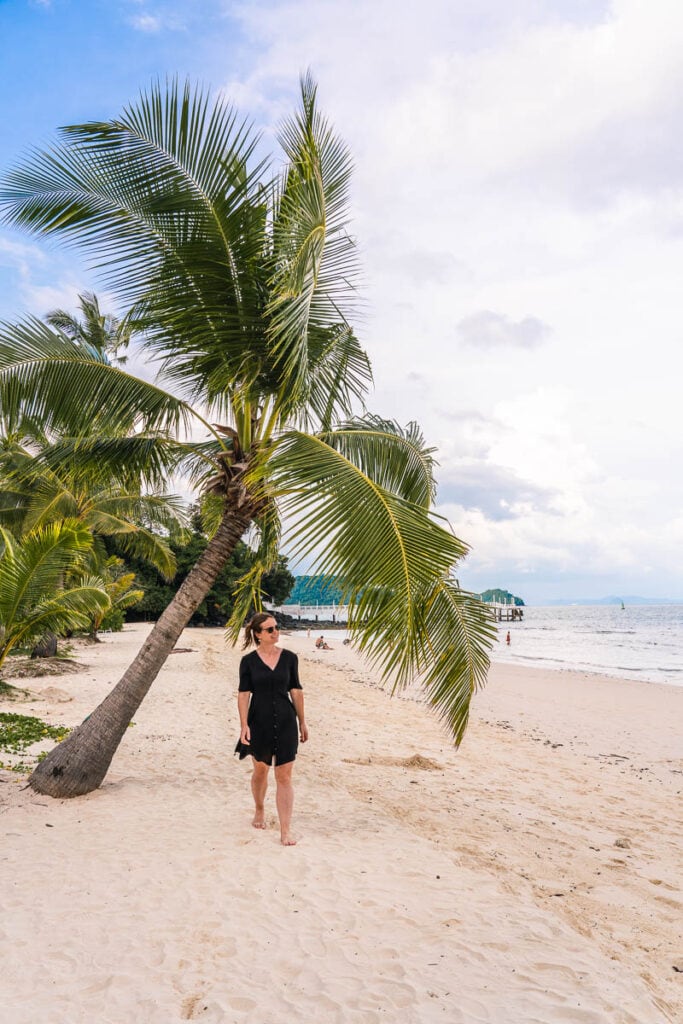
[(243, 708), (243, 698)]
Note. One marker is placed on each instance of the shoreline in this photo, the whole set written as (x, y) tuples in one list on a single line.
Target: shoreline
[(529, 664), (532, 875), (532, 662)]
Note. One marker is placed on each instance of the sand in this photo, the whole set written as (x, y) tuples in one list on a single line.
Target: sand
[(533, 876)]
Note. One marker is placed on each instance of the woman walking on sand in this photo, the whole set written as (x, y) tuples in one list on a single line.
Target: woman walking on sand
[(270, 701)]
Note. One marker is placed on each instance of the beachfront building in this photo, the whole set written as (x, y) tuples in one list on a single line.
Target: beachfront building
[(313, 612)]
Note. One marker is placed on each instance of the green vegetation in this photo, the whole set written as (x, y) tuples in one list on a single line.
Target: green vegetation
[(19, 732), (102, 333), (501, 597), (44, 495), (315, 590), (34, 598), (243, 284), (216, 607), (119, 586)]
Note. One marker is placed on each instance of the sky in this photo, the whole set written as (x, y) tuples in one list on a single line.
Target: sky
[(518, 206)]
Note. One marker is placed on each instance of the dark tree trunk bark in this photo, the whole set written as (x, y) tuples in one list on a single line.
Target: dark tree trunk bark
[(46, 648), (80, 762)]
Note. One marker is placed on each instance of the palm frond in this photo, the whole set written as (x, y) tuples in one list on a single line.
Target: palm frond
[(394, 457), (143, 544), (73, 390), (142, 459), (315, 264), (247, 592), (102, 332), (67, 609), (165, 200), (339, 375), (393, 561), (37, 565)]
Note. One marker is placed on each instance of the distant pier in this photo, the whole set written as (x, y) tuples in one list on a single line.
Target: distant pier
[(505, 612), (336, 613), (339, 613)]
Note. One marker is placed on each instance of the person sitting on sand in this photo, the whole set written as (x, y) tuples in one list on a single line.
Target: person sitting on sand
[(326, 646), (320, 642), (269, 701)]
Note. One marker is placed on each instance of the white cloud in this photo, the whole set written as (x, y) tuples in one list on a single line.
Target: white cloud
[(166, 15), (486, 329), (41, 299), (32, 266), (146, 23), (19, 254)]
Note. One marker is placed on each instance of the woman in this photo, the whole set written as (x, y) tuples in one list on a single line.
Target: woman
[(270, 700)]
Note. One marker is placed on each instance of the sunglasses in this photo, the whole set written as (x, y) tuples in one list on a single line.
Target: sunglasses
[(268, 629)]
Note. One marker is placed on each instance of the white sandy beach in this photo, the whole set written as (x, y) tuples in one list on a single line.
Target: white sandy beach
[(534, 876)]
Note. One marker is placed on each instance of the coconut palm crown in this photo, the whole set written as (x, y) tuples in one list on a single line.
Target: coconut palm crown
[(243, 281)]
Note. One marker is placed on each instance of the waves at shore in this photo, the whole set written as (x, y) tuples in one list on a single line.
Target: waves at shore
[(637, 642)]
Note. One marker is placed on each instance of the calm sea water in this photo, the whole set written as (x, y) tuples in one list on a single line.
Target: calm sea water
[(639, 642)]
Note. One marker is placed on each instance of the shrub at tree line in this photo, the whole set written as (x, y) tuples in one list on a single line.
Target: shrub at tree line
[(216, 607)]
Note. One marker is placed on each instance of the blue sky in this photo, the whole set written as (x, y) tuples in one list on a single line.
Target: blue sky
[(519, 208)]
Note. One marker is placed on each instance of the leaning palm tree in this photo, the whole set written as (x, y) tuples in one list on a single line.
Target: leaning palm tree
[(243, 282)]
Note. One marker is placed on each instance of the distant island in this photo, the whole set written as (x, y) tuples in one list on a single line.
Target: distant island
[(499, 596)]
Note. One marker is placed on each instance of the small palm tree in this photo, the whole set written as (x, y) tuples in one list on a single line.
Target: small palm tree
[(33, 597), (121, 591), (38, 485), (137, 520), (103, 333), (243, 282)]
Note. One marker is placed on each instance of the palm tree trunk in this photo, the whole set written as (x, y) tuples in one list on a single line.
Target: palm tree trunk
[(80, 762)]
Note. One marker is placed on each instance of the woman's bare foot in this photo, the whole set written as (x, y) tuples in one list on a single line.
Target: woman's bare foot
[(259, 820), (288, 840)]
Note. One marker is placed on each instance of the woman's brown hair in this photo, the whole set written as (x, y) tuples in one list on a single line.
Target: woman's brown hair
[(252, 628)]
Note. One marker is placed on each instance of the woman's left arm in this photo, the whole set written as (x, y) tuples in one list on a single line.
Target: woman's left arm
[(298, 702)]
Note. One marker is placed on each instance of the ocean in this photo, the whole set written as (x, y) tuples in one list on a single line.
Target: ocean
[(639, 642)]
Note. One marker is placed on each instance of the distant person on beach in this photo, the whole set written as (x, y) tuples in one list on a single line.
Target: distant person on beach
[(270, 701), (320, 641), (507, 638)]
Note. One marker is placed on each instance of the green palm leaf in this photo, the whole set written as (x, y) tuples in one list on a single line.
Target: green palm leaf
[(395, 458), (164, 199), (339, 377), (145, 458), (392, 559), (315, 260), (65, 385), (33, 598)]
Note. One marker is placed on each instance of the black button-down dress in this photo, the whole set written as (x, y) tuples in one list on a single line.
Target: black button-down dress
[(271, 717)]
